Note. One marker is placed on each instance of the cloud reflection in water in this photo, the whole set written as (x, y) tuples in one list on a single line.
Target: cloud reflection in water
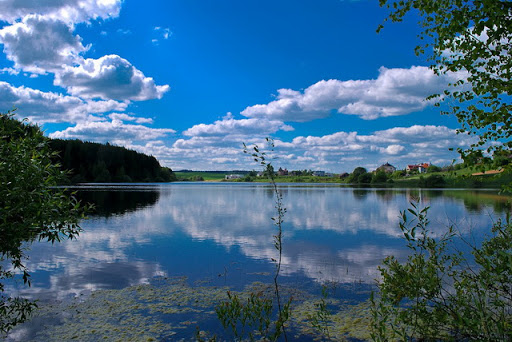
[(330, 233)]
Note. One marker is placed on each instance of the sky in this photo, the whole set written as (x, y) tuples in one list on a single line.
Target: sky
[(190, 81)]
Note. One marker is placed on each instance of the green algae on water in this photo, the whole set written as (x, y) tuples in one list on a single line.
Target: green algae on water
[(169, 309)]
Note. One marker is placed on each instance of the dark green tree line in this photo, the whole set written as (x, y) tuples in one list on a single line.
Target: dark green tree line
[(94, 162)]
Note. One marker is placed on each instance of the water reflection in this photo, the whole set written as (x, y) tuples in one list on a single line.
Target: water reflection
[(117, 200), (205, 230)]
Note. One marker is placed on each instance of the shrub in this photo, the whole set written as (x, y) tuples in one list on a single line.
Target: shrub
[(440, 293)]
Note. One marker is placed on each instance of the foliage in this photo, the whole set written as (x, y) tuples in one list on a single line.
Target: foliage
[(352, 178), (94, 162), (364, 178), (244, 319), (441, 294), (252, 318), (433, 168), (30, 208), (471, 38), (432, 181), (398, 174), (379, 177), (321, 317)]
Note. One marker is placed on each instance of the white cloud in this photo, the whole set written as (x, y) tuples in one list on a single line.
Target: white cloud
[(43, 42), (124, 32), (162, 33), (207, 145), (109, 77), (126, 117), (394, 92), (114, 131), (39, 44), (230, 126), (394, 149), (10, 71), (43, 107), (71, 11)]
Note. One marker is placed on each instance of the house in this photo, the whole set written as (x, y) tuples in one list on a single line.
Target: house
[(387, 168), (421, 168), (233, 176), (282, 172), (411, 167), (319, 173), (344, 175)]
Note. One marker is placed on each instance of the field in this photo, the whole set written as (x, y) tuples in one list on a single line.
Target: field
[(204, 175)]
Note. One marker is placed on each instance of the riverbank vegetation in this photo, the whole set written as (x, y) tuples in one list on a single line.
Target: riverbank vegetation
[(463, 175), (31, 208), (441, 293)]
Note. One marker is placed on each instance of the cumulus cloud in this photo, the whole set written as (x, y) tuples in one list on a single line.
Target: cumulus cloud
[(10, 71), (394, 92), (126, 117), (71, 11), (394, 149), (41, 40), (109, 77), (203, 148), (115, 131), (231, 126), (39, 44), (43, 107)]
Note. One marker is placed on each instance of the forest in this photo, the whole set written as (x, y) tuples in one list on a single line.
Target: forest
[(103, 163)]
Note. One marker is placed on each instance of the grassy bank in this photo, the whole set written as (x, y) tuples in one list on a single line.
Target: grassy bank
[(462, 178)]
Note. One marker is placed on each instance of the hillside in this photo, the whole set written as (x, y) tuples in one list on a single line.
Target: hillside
[(102, 163)]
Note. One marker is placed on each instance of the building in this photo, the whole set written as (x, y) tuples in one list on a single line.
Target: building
[(319, 173), (282, 172), (344, 175), (388, 168), (421, 168), (233, 176)]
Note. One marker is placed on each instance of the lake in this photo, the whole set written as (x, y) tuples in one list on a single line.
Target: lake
[(200, 239)]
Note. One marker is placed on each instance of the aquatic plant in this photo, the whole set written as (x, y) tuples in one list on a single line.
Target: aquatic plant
[(255, 315)]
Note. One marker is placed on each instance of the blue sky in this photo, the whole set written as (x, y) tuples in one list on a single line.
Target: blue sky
[(189, 81)]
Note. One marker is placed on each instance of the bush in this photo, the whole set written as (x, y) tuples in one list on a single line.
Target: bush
[(379, 177), (353, 177), (364, 178), (31, 208), (438, 294), (432, 181)]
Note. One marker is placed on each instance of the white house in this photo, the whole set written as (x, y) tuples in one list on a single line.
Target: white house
[(233, 176)]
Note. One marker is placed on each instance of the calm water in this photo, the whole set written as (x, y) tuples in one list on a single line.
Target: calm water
[(222, 233)]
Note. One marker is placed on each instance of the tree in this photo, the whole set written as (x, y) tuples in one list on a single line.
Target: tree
[(355, 174), (472, 38), (438, 294), (31, 209), (379, 177), (433, 168)]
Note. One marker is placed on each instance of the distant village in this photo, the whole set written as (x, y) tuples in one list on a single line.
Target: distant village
[(386, 168)]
